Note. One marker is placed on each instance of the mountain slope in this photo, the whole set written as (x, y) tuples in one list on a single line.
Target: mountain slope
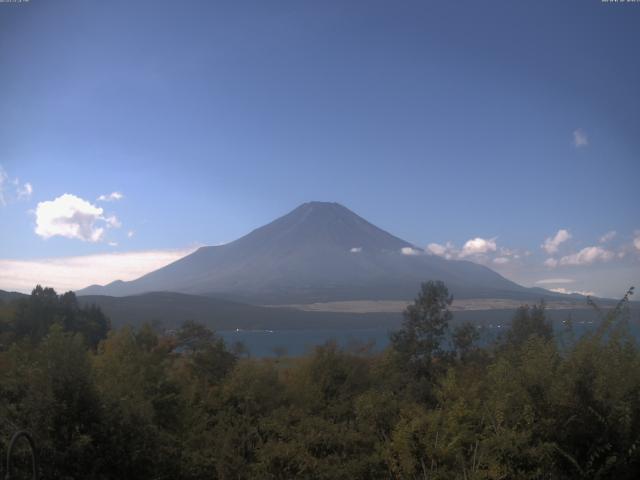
[(10, 296), (318, 252)]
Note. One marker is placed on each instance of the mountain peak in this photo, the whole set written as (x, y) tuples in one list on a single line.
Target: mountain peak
[(322, 225), (321, 204), (318, 207), (319, 251)]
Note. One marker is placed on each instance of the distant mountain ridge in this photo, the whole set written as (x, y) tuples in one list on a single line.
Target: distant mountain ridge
[(318, 252), (10, 296)]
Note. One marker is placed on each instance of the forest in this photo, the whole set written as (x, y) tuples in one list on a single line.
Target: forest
[(103, 403)]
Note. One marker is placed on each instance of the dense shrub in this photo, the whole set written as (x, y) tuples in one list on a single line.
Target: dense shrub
[(144, 404)]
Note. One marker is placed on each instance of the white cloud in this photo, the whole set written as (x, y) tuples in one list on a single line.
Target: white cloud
[(18, 191), (587, 256), (72, 217), (568, 292), (607, 237), (437, 249), (410, 251), (130, 234), (356, 250), (111, 197), (554, 281), (3, 178), (580, 138), (113, 222), (447, 250), (478, 246), (25, 191), (552, 244), (636, 242), (72, 273), (507, 252)]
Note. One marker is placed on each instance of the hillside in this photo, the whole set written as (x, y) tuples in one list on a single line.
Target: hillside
[(9, 296), (319, 252)]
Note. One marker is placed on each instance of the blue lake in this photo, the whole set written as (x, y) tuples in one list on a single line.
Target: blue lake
[(265, 343)]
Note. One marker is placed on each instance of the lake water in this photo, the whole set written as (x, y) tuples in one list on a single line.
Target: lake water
[(267, 343)]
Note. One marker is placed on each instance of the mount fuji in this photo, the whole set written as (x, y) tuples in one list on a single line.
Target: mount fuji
[(319, 252)]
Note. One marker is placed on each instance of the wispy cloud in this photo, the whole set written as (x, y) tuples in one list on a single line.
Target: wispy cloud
[(111, 197), (113, 222), (447, 250), (568, 292), (13, 189), (607, 237), (410, 251), (72, 273), (70, 216), (3, 180), (24, 191), (554, 281), (356, 250), (580, 138), (552, 244), (587, 256)]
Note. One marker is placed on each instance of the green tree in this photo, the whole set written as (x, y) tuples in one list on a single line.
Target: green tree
[(204, 353), (35, 315), (142, 406), (49, 390), (529, 321), (417, 344), (464, 337)]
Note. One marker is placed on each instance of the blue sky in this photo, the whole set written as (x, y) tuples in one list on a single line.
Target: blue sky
[(438, 121)]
